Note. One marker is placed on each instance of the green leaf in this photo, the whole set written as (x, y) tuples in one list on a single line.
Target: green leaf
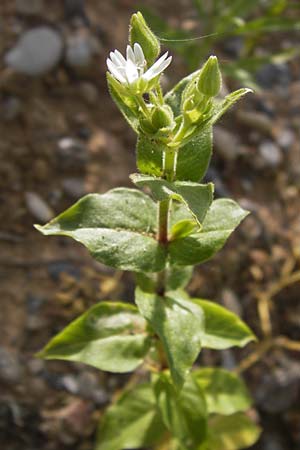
[(182, 229), (113, 229), (183, 413), (269, 24), (179, 324), (231, 433), (225, 393), (149, 156), (229, 100), (223, 329), (109, 336), (125, 103), (176, 277), (196, 197), (132, 422), (222, 218), (194, 157)]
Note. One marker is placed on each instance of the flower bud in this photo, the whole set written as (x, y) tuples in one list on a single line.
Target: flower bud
[(140, 32), (210, 79), (162, 117)]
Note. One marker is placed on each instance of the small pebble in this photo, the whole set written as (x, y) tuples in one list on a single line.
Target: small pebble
[(74, 187), (10, 367), (270, 75), (259, 121), (11, 108), (37, 51), (226, 143), (80, 50), (270, 154), (286, 138), (38, 207), (71, 153)]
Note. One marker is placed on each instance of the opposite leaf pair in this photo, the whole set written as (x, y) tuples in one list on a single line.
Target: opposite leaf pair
[(208, 414)]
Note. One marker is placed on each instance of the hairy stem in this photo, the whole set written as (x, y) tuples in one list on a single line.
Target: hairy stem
[(164, 206)]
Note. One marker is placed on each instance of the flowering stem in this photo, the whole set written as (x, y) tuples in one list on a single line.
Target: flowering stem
[(164, 206), (141, 103)]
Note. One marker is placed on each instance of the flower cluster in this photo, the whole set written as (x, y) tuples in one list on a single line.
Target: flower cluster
[(128, 71)]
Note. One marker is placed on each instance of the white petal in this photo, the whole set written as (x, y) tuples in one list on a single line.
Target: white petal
[(114, 71), (131, 71), (116, 60), (139, 55), (158, 67), (129, 54), (120, 57)]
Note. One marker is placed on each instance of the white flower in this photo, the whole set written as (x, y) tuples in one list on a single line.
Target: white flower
[(132, 69)]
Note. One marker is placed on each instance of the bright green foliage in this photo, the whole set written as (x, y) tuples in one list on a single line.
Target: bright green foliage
[(231, 432), (132, 422), (113, 229), (225, 393), (125, 103), (196, 197), (160, 239), (184, 413), (179, 324), (223, 329), (109, 336), (222, 218)]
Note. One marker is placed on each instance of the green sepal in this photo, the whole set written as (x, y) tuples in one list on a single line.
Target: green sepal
[(196, 197), (223, 328), (184, 413), (220, 221), (179, 323), (225, 392), (109, 336), (133, 421), (124, 101), (233, 432), (113, 229), (140, 32)]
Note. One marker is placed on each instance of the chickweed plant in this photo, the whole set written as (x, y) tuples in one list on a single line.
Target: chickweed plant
[(160, 233)]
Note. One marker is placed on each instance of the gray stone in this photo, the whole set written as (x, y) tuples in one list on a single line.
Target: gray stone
[(74, 187), (11, 108), (38, 207), (10, 367), (36, 52), (226, 143), (80, 50), (286, 138), (71, 153), (270, 154)]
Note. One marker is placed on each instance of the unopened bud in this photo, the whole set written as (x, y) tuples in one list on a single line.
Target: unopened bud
[(162, 117), (210, 79), (140, 32)]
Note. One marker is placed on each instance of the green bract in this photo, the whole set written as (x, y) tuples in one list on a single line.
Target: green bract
[(160, 234)]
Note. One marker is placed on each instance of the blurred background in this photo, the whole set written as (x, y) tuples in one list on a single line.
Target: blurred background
[(61, 137)]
